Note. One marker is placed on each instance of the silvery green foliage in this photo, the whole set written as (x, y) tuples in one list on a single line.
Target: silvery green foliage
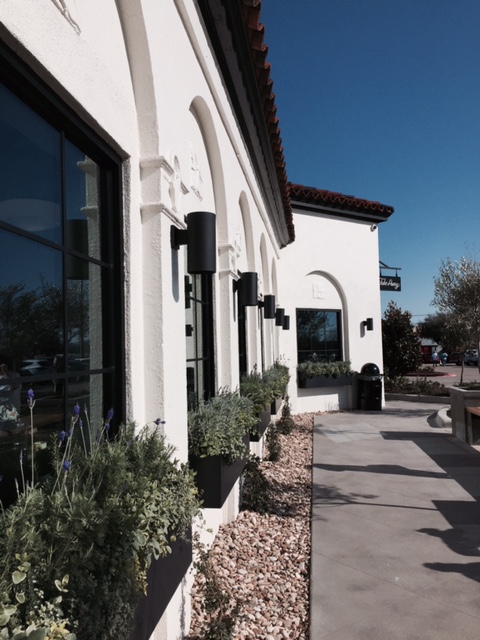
[(313, 368), (100, 519), (218, 427)]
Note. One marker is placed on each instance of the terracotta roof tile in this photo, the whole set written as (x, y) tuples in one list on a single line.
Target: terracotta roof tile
[(259, 50), (334, 199)]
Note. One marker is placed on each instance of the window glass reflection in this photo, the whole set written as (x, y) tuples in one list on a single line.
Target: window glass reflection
[(318, 335), (84, 311), (31, 302), (30, 170), (81, 200)]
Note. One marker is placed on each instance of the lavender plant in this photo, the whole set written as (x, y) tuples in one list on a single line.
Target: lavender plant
[(110, 506)]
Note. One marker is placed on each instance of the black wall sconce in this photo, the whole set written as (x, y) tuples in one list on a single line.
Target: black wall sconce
[(286, 323), (279, 316), (368, 324), (268, 305), (247, 287), (200, 236)]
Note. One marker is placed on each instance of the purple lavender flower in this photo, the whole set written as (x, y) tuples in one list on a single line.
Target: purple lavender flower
[(67, 465), (159, 421), (30, 398), (62, 435), (109, 418), (76, 410)]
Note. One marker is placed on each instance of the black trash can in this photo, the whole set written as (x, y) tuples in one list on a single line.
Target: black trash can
[(369, 388)]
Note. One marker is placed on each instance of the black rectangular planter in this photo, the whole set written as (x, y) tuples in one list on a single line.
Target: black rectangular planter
[(164, 576), (263, 422), (276, 405), (215, 478), (342, 380)]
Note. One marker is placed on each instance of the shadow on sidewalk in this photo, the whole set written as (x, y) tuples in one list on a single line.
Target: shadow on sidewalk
[(461, 463)]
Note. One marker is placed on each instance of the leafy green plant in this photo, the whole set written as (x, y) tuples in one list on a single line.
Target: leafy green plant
[(110, 506), (253, 386), (218, 427), (312, 368), (277, 378), (285, 423), (220, 607), (402, 384), (256, 488), (274, 447)]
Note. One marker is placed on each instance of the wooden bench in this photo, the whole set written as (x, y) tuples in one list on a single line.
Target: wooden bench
[(473, 425)]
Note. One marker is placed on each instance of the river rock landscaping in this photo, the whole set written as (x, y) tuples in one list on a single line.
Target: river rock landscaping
[(261, 561)]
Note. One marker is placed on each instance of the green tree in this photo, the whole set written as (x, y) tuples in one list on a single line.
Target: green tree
[(401, 345), (442, 329), (457, 294)]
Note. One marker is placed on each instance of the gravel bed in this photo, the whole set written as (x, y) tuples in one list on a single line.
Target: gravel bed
[(262, 561)]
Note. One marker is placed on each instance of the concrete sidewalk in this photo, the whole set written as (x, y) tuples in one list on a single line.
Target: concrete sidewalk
[(395, 528)]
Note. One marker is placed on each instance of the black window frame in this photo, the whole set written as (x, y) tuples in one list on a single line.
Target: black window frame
[(21, 80), (318, 354), (199, 298)]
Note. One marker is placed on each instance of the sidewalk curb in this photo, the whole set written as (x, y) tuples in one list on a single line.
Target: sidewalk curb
[(442, 419), (410, 397)]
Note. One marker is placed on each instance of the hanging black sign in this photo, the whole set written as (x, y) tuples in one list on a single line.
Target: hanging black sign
[(390, 283)]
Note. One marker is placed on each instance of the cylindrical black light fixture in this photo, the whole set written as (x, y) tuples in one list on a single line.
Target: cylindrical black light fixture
[(248, 289), (201, 240), (268, 307), (279, 315), (369, 324), (286, 323)]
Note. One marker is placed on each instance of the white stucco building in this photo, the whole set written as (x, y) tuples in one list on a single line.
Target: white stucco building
[(116, 123)]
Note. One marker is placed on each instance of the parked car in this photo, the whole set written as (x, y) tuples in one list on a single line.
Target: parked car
[(35, 366), (471, 358), (456, 357)]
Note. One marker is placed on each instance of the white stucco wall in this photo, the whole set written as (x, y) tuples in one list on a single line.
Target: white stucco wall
[(140, 72), (333, 264)]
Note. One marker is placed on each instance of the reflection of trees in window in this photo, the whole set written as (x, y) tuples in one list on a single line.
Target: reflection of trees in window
[(318, 335), (30, 321)]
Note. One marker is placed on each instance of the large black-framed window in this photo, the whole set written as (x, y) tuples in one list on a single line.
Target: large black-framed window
[(242, 339), (61, 282), (319, 335), (199, 337)]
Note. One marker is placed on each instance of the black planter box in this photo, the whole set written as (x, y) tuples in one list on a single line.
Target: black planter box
[(263, 422), (215, 478), (343, 380), (164, 576), (276, 405)]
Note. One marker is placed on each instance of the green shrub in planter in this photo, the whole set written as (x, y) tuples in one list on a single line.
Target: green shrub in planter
[(277, 378), (75, 548), (254, 387), (311, 369), (218, 427)]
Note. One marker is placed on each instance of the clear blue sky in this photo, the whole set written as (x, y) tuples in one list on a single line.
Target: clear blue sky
[(381, 99)]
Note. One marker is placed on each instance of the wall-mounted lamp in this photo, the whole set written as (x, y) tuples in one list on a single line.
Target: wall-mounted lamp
[(279, 315), (200, 236), (247, 287), (268, 304), (286, 323), (368, 324)]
